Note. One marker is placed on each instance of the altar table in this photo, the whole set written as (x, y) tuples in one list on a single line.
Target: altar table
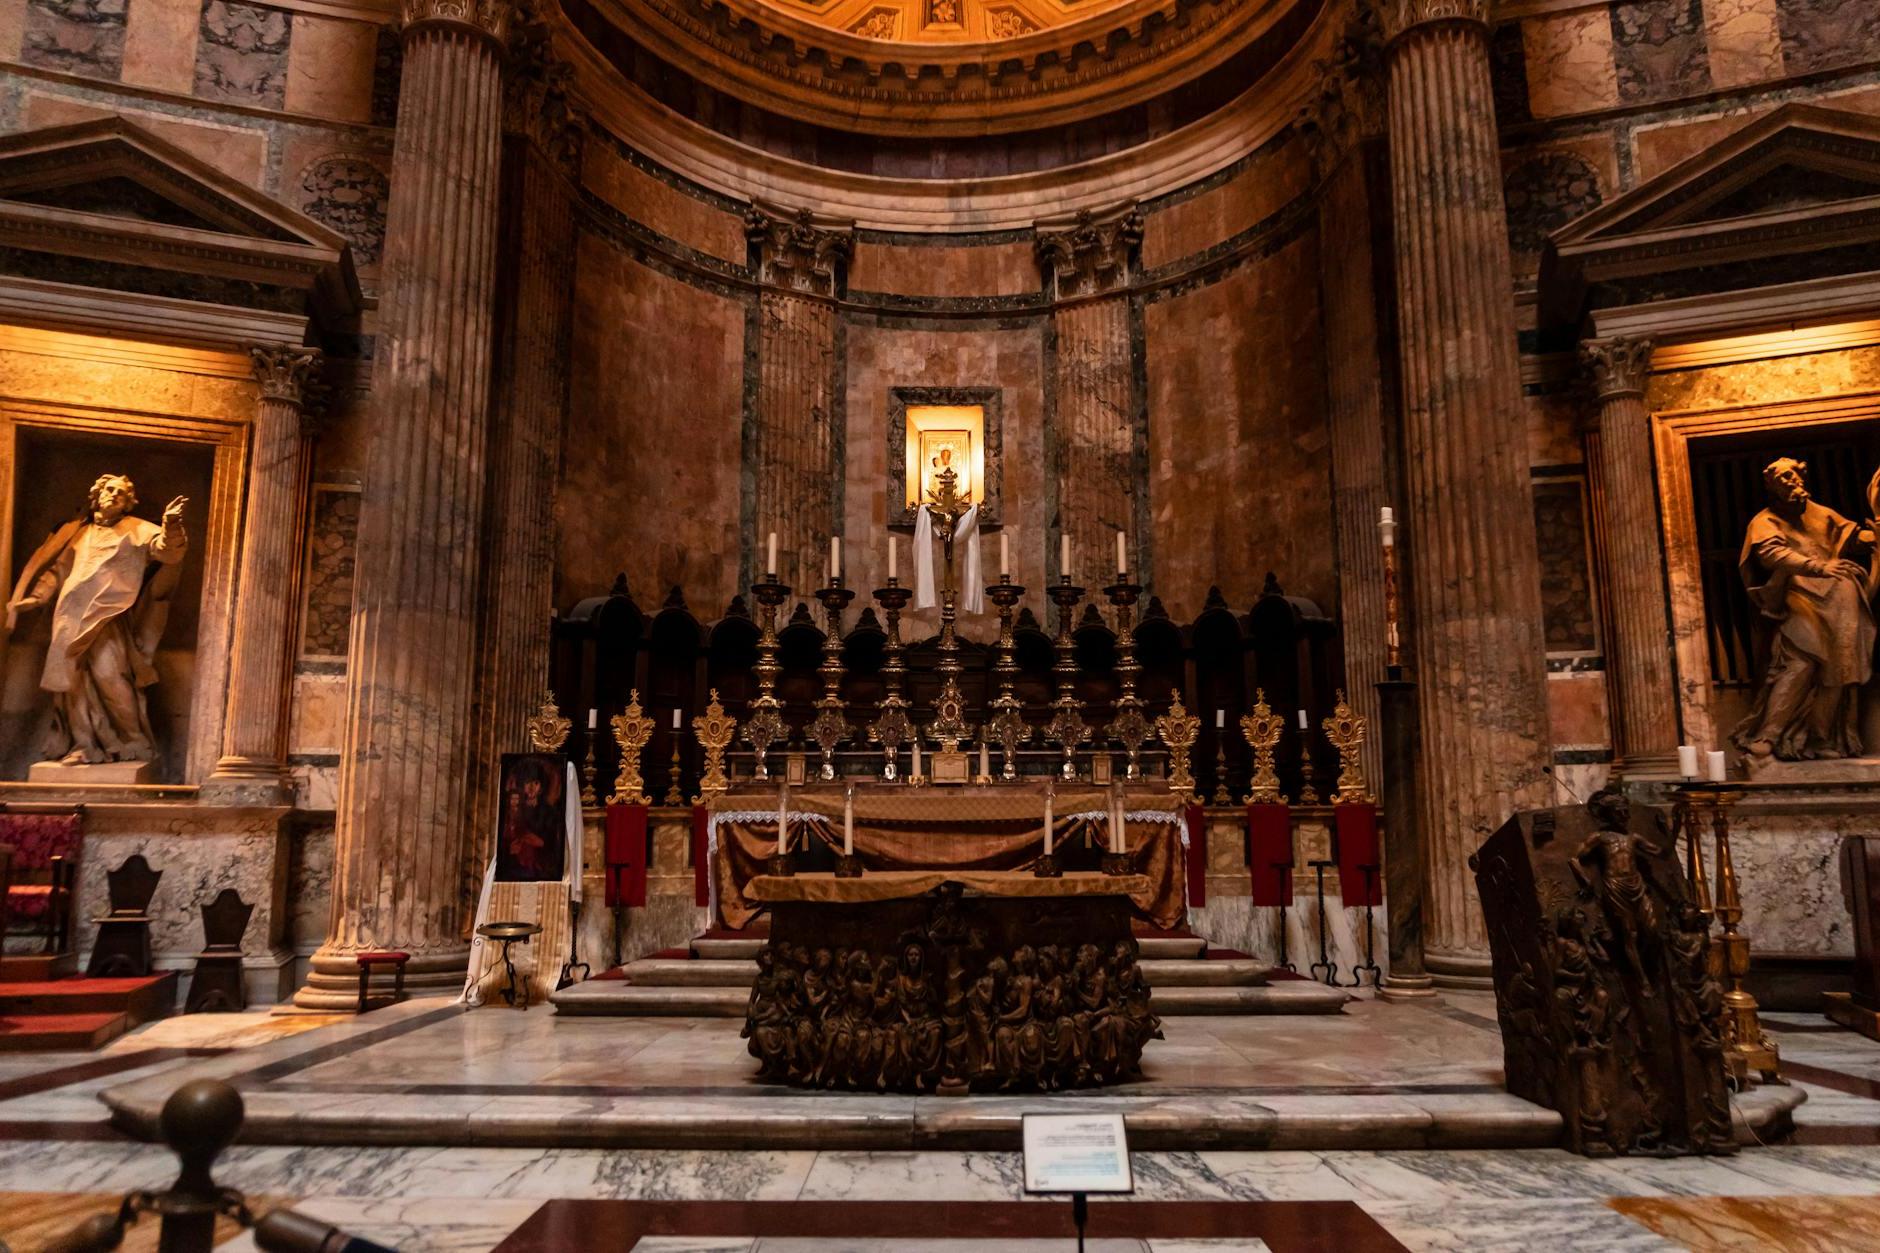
[(983, 829), (917, 981)]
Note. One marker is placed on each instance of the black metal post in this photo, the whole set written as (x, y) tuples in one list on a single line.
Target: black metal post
[(1404, 873), (1325, 958)]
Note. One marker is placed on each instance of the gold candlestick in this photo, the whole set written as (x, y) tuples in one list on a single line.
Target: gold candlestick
[(1263, 728), (632, 730), (766, 726), (1178, 729), (1744, 1034), (1221, 795), (1067, 725), (675, 795), (1345, 730), (1129, 727), (892, 727), (589, 799), (1008, 719), (831, 726), (714, 732)]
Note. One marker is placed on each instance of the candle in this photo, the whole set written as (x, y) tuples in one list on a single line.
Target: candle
[(1719, 770), (848, 822), (1050, 819), (675, 719), (1116, 820), (835, 558), (1220, 719), (593, 718), (783, 818), (770, 563), (1064, 556), (985, 766), (894, 563), (1302, 720), (1122, 553), (1387, 524), (1005, 556), (915, 772), (1687, 760)]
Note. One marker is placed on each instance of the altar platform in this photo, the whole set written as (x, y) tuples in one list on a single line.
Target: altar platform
[(1378, 1076)]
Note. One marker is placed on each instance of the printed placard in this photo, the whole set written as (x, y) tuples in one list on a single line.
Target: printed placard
[(1077, 1153)]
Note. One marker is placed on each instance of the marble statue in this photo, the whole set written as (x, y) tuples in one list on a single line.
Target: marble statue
[(108, 578), (1813, 573)]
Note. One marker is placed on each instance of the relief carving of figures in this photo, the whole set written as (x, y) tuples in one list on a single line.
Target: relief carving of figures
[(108, 578), (1813, 574)]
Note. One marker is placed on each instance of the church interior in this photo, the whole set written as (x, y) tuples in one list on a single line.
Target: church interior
[(1257, 630)]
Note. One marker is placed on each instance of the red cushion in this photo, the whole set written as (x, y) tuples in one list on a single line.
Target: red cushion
[(29, 900), (369, 958)]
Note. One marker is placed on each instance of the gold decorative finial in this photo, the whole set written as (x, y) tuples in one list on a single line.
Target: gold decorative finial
[(632, 729), (1178, 729), (548, 730), (1263, 728), (714, 732), (1345, 730)]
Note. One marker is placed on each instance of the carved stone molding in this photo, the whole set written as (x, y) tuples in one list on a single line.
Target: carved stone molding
[(537, 103), (1094, 255), (286, 373), (489, 18), (1619, 366), (795, 253), (1348, 106), (1400, 17)]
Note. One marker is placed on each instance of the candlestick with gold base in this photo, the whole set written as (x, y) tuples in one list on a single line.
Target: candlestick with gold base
[(1743, 1030), (1067, 725), (892, 727), (765, 726), (1008, 718), (831, 726), (1130, 727)]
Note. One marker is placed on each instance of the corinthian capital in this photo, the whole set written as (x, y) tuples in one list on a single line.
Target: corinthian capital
[(285, 372), (536, 96), (1402, 16), (489, 18), (1096, 254), (794, 252), (1619, 366)]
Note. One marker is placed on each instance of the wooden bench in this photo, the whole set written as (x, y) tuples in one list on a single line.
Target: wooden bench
[(366, 963)]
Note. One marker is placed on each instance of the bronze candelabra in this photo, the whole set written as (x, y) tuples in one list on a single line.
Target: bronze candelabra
[(1130, 727), (1221, 795), (892, 727), (1746, 1045), (1067, 725), (766, 726), (1008, 719), (831, 725)]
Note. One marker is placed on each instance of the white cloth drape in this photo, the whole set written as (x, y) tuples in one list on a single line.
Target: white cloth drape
[(571, 877), (966, 531)]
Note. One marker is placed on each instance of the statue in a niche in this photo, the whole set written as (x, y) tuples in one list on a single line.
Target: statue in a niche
[(1813, 574), (108, 577)]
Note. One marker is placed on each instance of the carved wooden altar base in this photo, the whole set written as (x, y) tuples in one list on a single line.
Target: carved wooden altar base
[(924, 981)]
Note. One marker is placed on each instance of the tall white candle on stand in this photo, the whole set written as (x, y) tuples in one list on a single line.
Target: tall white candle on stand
[(1122, 553), (1050, 819), (985, 765), (1719, 771), (783, 818), (1064, 555), (1687, 760), (835, 558), (1005, 555), (1116, 820), (770, 562), (894, 565), (915, 771), (848, 822)]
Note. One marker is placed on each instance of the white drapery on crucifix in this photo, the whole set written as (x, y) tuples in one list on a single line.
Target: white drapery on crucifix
[(972, 593)]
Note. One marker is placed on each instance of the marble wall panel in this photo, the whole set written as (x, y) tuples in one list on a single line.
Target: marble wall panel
[(1765, 382), (1239, 470), (1001, 269), (1577, 717), (1828, 34), (330, 67), (1659, 49), (242, 54), (1544, 190), (1554, 420), (241, 152), (332, 535), (661, 207), (1569, 59), (1744, 38), (1009, 357), (1189, 224), (1507, 62), (317, 725), (309, 886), (76, 36), (652, 452), (349, 191), (1788, 871), (1560, 525), (12, 28), (160, 45)]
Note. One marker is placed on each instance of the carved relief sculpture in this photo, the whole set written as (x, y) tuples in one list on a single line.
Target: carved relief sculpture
[(1813, 574), (107, 618)]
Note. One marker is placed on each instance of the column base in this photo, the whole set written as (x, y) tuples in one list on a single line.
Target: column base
[(1462, 971), (1407, 988), (333, 980), (247, 781), (1648, 768)]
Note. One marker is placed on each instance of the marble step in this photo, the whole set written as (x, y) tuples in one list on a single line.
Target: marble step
[(1196, 973), (1291, 996), (727, 950), (1158, 947), (719, 973), (617, 998)]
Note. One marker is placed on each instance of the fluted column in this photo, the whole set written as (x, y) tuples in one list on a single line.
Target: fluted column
[(401, 815), (1638, 654), (1481, 668)]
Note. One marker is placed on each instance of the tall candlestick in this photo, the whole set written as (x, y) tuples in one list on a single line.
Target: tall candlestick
[(894, 561), (1719, 770), (1064, 555), (770, 562), (1116, 820), (1050, 819), (914, 773), (1687, 761), (985, 763), (848, 822), (1122, 554), (1005, 556)]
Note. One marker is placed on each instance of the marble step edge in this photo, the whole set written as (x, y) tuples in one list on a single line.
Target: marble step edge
[(618, 998), (977, 1123), (1153, 947), (722, 972)]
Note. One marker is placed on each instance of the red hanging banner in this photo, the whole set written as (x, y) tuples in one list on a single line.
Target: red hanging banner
[(626, 855), (701, 857), (1354, 827), (1270, 853), (1196, 819)]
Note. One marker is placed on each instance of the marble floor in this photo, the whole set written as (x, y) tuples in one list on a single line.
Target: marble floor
[(59, 1155)]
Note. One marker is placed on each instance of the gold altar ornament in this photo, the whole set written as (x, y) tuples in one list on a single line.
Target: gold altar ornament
[(632, 730), (714, 732), (548, 730), (1178, 729), (1345, 730), (1263, 728)]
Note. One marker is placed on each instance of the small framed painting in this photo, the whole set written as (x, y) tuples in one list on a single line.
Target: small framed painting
[(946, 450), (532, 819)]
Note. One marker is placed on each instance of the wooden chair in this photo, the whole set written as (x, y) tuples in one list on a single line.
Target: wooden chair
[(44, 874)]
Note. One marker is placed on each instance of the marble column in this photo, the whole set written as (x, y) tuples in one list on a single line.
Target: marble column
[(252, 769), (1638, 618), (402, 812), (1480, 664)]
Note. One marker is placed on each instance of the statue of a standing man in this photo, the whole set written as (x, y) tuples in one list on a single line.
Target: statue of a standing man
[(1814, 573), (108, 610)]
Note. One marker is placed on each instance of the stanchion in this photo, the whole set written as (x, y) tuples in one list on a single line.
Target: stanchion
[(1370, 935), (1325, 961)]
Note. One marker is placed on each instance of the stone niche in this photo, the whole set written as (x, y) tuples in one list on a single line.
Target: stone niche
[(53, 467)]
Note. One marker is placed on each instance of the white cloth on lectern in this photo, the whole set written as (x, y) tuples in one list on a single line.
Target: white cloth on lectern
[(973, 593), (571, 875)]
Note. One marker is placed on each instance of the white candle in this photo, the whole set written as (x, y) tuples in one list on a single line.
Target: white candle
[(1122, 553), (1220, 719), (770, 563), (1387, 524), (1719, 770), (783, 819), (1302, 720), (985, 766), (675, 719), (914, 773), (593, 718), (1005, 555), (1116, 821), (1064, 555), (1050, 819), (1687, 760), (848, 823), (894, 561), (835, 558)]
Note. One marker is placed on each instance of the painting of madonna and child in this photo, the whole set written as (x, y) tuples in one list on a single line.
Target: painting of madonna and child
[(532, 830)]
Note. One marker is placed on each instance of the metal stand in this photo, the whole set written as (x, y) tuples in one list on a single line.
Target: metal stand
[(1080, 1214), (1285, 960), (1067, 725), (1370, 936), (1746, 1045), (831, 726), (766, 722), (1007, 724), (1130, 727), (892, 727), (1403, 870), (1325, 961), (574, 961)]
